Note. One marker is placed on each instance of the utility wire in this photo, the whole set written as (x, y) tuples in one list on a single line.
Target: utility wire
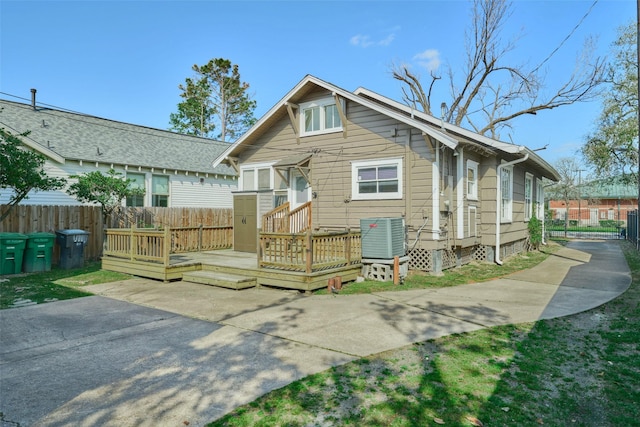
[(567, 37)]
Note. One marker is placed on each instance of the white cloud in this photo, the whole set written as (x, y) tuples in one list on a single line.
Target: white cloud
[(361, 40), (387, 41), (429, 59)]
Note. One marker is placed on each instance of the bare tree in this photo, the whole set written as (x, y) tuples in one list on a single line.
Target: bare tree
[(492, 92)]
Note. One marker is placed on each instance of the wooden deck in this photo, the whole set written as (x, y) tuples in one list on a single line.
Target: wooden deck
[(304, 261), (228, 268)]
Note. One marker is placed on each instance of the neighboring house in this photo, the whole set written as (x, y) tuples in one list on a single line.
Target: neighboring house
[(600, 202), (352, 156), (174, 169)]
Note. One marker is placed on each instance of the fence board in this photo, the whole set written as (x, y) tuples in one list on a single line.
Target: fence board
[(40, 218)]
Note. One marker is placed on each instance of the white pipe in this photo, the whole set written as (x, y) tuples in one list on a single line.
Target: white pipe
[(499, 199)]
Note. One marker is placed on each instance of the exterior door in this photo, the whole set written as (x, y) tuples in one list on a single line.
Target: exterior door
[(300, 189), (245, 222)]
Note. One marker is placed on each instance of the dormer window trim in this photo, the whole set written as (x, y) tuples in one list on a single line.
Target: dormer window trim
[(321, 116)]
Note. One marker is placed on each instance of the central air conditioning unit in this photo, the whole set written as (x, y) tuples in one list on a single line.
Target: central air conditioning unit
[(382, 237)]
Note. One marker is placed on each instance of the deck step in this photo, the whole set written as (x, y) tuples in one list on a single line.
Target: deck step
[(224, 280)]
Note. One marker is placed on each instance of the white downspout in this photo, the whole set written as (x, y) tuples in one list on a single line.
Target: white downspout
[(498, 200), (460, 192), (435, 189)]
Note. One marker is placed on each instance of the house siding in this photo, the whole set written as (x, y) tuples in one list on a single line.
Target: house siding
[(433, 200), (184, 190)]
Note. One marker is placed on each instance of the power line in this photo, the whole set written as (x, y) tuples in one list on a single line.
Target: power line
[(567, 37)]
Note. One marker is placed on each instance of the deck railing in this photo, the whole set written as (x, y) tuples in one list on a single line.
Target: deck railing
[(139, 244), (153, 245), (274, 220), (309, 252), (284, 220)]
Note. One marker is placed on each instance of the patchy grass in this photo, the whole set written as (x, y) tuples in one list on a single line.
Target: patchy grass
[(470, 273), (580, 370), (55, 285)]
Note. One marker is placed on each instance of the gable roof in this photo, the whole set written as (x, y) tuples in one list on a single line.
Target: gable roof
[(447, 134), (463, 133), (62, 135)]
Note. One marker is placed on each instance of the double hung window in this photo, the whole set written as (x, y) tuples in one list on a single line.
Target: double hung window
[(160, 191), (472, 180), (137, 183), (377, 179), (320, 116), (506, 194), (528, 196)]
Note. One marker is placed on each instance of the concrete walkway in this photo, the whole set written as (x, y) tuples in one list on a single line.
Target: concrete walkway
[(187, 352)]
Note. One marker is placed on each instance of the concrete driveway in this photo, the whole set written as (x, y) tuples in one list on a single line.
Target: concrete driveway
[(147, 353)]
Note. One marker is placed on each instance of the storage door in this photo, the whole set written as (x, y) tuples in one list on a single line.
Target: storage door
[(245, 222)]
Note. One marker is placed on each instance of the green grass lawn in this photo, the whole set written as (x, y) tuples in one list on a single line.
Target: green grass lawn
[(470, 273), (580, 370), (55, 285)]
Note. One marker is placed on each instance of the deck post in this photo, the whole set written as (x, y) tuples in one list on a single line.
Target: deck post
[(259, 247), (167, 246), (309, 251), (347, 248)]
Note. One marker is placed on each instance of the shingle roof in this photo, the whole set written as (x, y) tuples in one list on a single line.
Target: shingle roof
[(76, 136)]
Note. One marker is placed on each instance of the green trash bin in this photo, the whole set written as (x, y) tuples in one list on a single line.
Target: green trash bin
[(11, 252), (38, 252)]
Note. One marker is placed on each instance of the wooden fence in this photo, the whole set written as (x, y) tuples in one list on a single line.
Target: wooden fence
[(38, 218)]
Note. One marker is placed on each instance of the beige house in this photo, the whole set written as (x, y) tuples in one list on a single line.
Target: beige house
[(334, 157)]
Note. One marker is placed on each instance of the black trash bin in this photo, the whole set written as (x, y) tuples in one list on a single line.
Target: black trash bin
[(38, 252), (72, 243)]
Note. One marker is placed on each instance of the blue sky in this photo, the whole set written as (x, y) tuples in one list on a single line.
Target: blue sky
[(124, 60)]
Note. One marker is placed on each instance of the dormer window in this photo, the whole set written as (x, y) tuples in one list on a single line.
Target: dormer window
[(321, 116)]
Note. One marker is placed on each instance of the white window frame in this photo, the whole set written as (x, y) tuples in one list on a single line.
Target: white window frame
[(473, 194), (154, 194), (539, 199), (528, 196), (506, 194), (355, 192), (255, 167), (137, 184), (321, 104), (472, 213)]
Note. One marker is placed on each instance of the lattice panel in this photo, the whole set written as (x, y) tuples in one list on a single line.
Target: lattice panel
[(420, 259), (448, 259), (479, 253)]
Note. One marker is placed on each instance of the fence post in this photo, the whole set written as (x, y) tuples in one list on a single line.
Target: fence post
[(200, 238)]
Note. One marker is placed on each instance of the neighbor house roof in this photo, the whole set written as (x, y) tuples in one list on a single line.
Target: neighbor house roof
[(62, 135), (624, 187), (447, 134)]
